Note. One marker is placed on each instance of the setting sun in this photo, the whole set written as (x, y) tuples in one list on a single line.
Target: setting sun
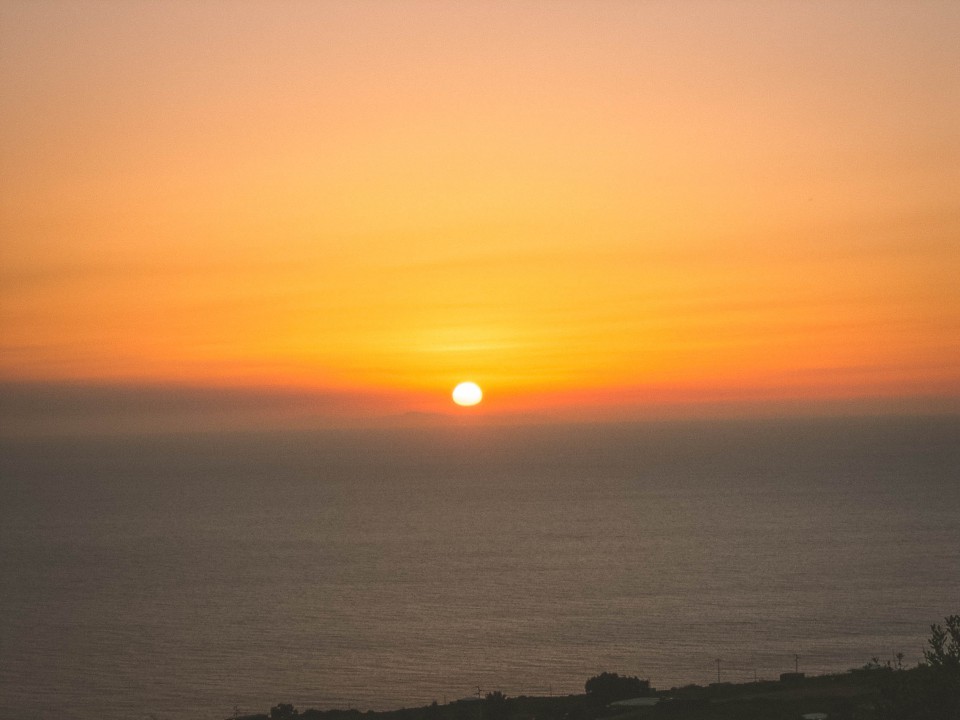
[(612, 212), (467, 394)]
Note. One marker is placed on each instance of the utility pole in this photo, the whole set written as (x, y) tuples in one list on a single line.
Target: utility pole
[(718, 670), (796, 663)]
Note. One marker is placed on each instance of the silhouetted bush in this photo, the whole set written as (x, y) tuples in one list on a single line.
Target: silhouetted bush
[(944, 649), (609, 687), (495, 706), (930, 691)]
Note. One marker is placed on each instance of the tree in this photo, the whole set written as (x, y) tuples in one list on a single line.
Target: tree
[(607, 687), (495, 706), (930, 691), (944, 649)]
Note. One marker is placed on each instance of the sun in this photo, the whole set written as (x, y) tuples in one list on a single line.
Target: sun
[(467, 393)]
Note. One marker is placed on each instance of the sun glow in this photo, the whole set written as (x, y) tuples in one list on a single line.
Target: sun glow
[(523, 217), (467, 394)]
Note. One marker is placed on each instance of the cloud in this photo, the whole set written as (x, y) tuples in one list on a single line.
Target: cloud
[(58, 408)]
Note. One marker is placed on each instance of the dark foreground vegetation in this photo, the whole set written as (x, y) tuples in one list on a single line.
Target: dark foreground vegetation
[(877, 691)]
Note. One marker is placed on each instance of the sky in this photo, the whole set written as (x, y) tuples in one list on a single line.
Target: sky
[(335, 211)]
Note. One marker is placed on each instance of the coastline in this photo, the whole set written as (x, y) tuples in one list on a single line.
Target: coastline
[(855, 694)]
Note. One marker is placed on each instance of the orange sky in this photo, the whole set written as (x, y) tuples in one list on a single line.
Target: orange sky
[(613, 205)]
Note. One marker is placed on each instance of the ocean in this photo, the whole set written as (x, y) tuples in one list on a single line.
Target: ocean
[(189, 576)]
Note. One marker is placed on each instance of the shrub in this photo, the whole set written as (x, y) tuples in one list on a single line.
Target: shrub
[(932, 690), (609, 687)]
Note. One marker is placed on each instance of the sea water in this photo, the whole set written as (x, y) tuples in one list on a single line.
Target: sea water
[(189, 576)]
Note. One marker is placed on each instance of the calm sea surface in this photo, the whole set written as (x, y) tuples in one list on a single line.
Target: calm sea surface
[(181, 577)]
